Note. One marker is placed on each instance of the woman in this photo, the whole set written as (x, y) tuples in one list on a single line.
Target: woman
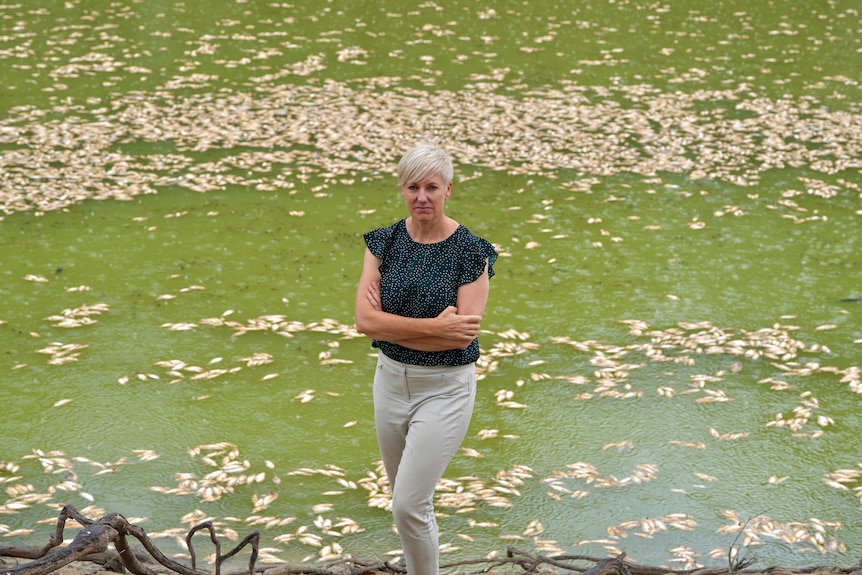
[(421, 296)]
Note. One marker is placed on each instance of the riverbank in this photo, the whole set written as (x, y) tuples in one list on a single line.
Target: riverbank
[(516, 562)]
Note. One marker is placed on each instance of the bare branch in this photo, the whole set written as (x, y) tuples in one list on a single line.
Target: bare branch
[(91, 544)]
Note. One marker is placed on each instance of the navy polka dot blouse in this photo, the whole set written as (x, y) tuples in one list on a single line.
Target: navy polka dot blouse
[(421, 280)]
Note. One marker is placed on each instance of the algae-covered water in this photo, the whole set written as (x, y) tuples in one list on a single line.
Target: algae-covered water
[(670, 355)]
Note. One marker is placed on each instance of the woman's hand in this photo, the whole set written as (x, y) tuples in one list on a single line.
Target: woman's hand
[(373, 295), (459, 328)]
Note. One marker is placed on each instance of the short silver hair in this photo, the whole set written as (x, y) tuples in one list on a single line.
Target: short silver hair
[(423, 161)]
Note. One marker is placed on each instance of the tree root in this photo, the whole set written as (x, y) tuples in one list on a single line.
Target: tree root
[(113, 528), (91, 544)]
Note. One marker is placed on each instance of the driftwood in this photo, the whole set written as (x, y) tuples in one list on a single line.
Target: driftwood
[(109, 560), (113, 528), (91, 544)]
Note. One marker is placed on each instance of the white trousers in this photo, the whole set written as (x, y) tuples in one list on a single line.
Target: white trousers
[(421, 415)]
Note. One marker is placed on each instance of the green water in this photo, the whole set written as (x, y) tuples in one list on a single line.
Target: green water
[(674, 190)]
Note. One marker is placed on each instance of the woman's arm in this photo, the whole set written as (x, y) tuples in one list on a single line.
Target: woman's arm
[(472, 300), (450, 329)]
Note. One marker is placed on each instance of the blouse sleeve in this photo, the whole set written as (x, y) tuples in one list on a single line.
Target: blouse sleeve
[(473, 263), (376, 240)]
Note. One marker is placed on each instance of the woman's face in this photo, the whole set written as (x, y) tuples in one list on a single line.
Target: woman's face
[(425, 199)]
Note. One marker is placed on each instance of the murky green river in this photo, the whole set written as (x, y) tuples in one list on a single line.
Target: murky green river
[(671, 351)]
